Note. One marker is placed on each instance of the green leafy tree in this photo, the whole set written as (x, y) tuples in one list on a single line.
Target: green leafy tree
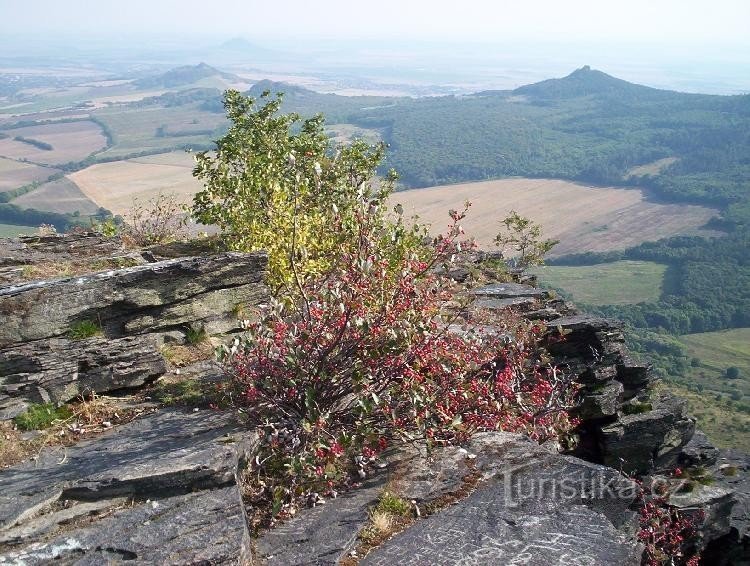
[(522, 236), (277, 183)]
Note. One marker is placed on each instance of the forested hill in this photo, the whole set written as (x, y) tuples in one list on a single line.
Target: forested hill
[(588, 126)]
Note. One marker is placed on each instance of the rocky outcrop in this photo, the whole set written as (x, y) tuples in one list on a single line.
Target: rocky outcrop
[(165, 488), (156, 297), (130, 311), (160, 490), (59, 369)]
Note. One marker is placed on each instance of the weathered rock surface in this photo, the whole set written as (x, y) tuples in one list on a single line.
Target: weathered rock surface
[(323, 534), (178, 471), (59, 369), (134, 307), (649, 440), (509, 291), (536, 506), (148, 298), (26, 250)]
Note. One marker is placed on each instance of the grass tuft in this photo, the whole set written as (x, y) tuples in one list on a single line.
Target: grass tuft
[(83, 329), (40, 417)]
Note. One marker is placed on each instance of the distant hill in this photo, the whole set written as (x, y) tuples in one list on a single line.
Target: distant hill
[(185, 75), (586, 82), (288, 89)]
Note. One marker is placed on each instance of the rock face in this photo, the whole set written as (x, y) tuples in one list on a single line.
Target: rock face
[(535, 506), (131, 310), (162, 489), (150, 298)]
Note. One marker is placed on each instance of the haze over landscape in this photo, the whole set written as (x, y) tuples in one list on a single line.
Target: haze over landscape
[(621, 128)]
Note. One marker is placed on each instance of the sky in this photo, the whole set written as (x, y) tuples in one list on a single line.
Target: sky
[(664, 22)]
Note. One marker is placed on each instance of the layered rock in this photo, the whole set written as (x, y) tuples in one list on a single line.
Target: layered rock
[(160, 490), (130, 311)]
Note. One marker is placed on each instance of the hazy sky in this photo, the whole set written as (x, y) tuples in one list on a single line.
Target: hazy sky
[(654, 21)]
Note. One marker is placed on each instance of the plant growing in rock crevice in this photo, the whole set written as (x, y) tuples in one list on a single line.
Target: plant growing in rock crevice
[(368, 357)]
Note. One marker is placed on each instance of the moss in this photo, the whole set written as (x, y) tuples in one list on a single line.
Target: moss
[(83, 329), (729, 471), (636, 408), (39, 417)]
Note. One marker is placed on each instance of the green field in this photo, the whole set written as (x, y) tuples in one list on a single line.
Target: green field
[(13, 230), (712, 353), (721, 419), (617, 283)]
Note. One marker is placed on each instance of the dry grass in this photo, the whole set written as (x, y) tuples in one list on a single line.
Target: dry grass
[(55, 269), (89, 416), (582, 218), (70, 141), (13, 448), (181, 355), (117, 185)]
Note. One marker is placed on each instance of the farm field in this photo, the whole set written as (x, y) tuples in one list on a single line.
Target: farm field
[(115, 185), (583, 218), (617, 283), (14, 174), (61, 195), (70, 141), (135, 130), (13, 230)]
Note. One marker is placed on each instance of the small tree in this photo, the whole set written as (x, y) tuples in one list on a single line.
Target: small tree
[(276, 183), (523, 237), (733, 372)]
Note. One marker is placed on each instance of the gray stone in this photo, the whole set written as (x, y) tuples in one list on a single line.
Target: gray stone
[(536, 506), (651, 440), (160, 490), (509, 291), (322, 534), (699, 451), (169, 451), (59, 369), (26, 250), (502, 304), (423, 476), (715, 503), (155, 297), (602, 402), (207, 527)]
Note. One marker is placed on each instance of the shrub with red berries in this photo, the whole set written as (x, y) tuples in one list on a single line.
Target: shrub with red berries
[(372, 354)]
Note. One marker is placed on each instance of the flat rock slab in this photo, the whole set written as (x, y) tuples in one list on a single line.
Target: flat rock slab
[(208, 527), (321, 535), (169, 452), (509, 291), (537, 508)]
